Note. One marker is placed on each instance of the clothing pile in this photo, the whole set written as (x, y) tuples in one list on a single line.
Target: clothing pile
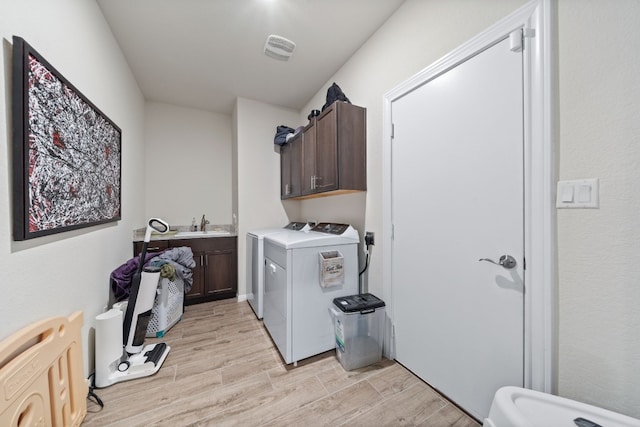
[(172, 262), (284, 133)]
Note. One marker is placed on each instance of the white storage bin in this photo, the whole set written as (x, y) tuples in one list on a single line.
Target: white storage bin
[(167, 307)]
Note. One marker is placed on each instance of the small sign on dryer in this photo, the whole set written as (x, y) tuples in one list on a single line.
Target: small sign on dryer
[(331, 269)]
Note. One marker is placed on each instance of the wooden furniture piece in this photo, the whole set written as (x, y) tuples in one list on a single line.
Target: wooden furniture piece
[(215, 275), (331, 151), (41, 374)]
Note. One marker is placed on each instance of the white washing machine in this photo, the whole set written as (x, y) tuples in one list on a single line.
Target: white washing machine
[(255, 262), (296, 298)]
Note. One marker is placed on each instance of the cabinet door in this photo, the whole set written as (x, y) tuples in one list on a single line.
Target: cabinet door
[(326, 170), (197, 289), (285, 171), (309, 159), (352, 146), (296, 165), (220, 270), (291, 168)]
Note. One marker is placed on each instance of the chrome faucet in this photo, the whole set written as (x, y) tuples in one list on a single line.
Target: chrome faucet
[(203, 224)]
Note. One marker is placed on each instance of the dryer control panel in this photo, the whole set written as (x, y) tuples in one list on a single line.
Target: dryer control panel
[(297, 226)]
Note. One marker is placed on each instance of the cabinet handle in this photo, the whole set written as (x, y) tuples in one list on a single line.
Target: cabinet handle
[(287, 190), (315, 183)]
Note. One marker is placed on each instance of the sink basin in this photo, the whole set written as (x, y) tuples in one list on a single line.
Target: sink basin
[(208, 233)]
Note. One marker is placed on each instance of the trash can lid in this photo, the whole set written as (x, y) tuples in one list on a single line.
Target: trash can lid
[(354, 303)]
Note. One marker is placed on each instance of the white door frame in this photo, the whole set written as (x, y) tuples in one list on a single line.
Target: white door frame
[(535, 18)]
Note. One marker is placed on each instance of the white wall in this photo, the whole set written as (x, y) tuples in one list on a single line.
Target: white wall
[(188, 157), (419, 33), (234, 164), (60, 274), (599, 250), (258, 173), (599, 124)]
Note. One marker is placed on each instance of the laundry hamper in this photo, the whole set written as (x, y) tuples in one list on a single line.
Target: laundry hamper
[(167, 308)]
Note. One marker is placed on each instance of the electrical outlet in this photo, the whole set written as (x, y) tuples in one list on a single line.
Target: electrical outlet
[(369, 239)]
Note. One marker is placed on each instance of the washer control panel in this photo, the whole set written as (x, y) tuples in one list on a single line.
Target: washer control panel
[(330, 227)]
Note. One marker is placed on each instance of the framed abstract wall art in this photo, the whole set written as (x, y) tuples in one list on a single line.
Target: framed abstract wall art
[(66, 152)]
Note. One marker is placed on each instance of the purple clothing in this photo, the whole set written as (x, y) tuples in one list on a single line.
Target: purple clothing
[(121, 277)]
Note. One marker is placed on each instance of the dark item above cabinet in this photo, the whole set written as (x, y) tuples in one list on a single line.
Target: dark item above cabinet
[(328, 157), (215, 275)]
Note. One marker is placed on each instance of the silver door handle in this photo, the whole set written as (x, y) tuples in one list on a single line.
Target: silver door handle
[(506, 261)]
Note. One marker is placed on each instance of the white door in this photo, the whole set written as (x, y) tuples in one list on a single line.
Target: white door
[(456, 197)]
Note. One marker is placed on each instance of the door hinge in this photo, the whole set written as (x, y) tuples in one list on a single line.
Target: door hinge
[(516, 38), (393, 130)]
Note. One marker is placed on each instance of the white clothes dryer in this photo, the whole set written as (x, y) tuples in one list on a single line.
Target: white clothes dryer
[(296, 300), (255, 262)]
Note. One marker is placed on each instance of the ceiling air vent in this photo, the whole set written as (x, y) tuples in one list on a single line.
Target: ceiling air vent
[(279, 48)]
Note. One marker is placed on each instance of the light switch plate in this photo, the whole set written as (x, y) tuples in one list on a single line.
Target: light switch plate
[(577, 194)]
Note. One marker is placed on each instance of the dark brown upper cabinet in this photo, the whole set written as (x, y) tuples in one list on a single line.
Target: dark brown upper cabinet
[(329, 156)]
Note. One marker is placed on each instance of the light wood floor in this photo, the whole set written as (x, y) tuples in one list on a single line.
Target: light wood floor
[(223, 369)]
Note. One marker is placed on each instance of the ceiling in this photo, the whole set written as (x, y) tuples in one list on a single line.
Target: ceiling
[(205, 53)]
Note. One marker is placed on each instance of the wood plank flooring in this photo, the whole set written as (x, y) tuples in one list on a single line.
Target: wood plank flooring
[(223, 370)]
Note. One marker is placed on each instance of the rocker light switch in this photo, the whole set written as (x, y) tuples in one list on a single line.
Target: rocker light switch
[(584, 193), (567, 194), (577, 194)]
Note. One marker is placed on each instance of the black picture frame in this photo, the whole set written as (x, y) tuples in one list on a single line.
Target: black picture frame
[(66, 153)]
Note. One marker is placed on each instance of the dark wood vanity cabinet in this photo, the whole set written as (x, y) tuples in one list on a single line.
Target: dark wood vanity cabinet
[(216, 268), (215, 274), (333, 154)]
